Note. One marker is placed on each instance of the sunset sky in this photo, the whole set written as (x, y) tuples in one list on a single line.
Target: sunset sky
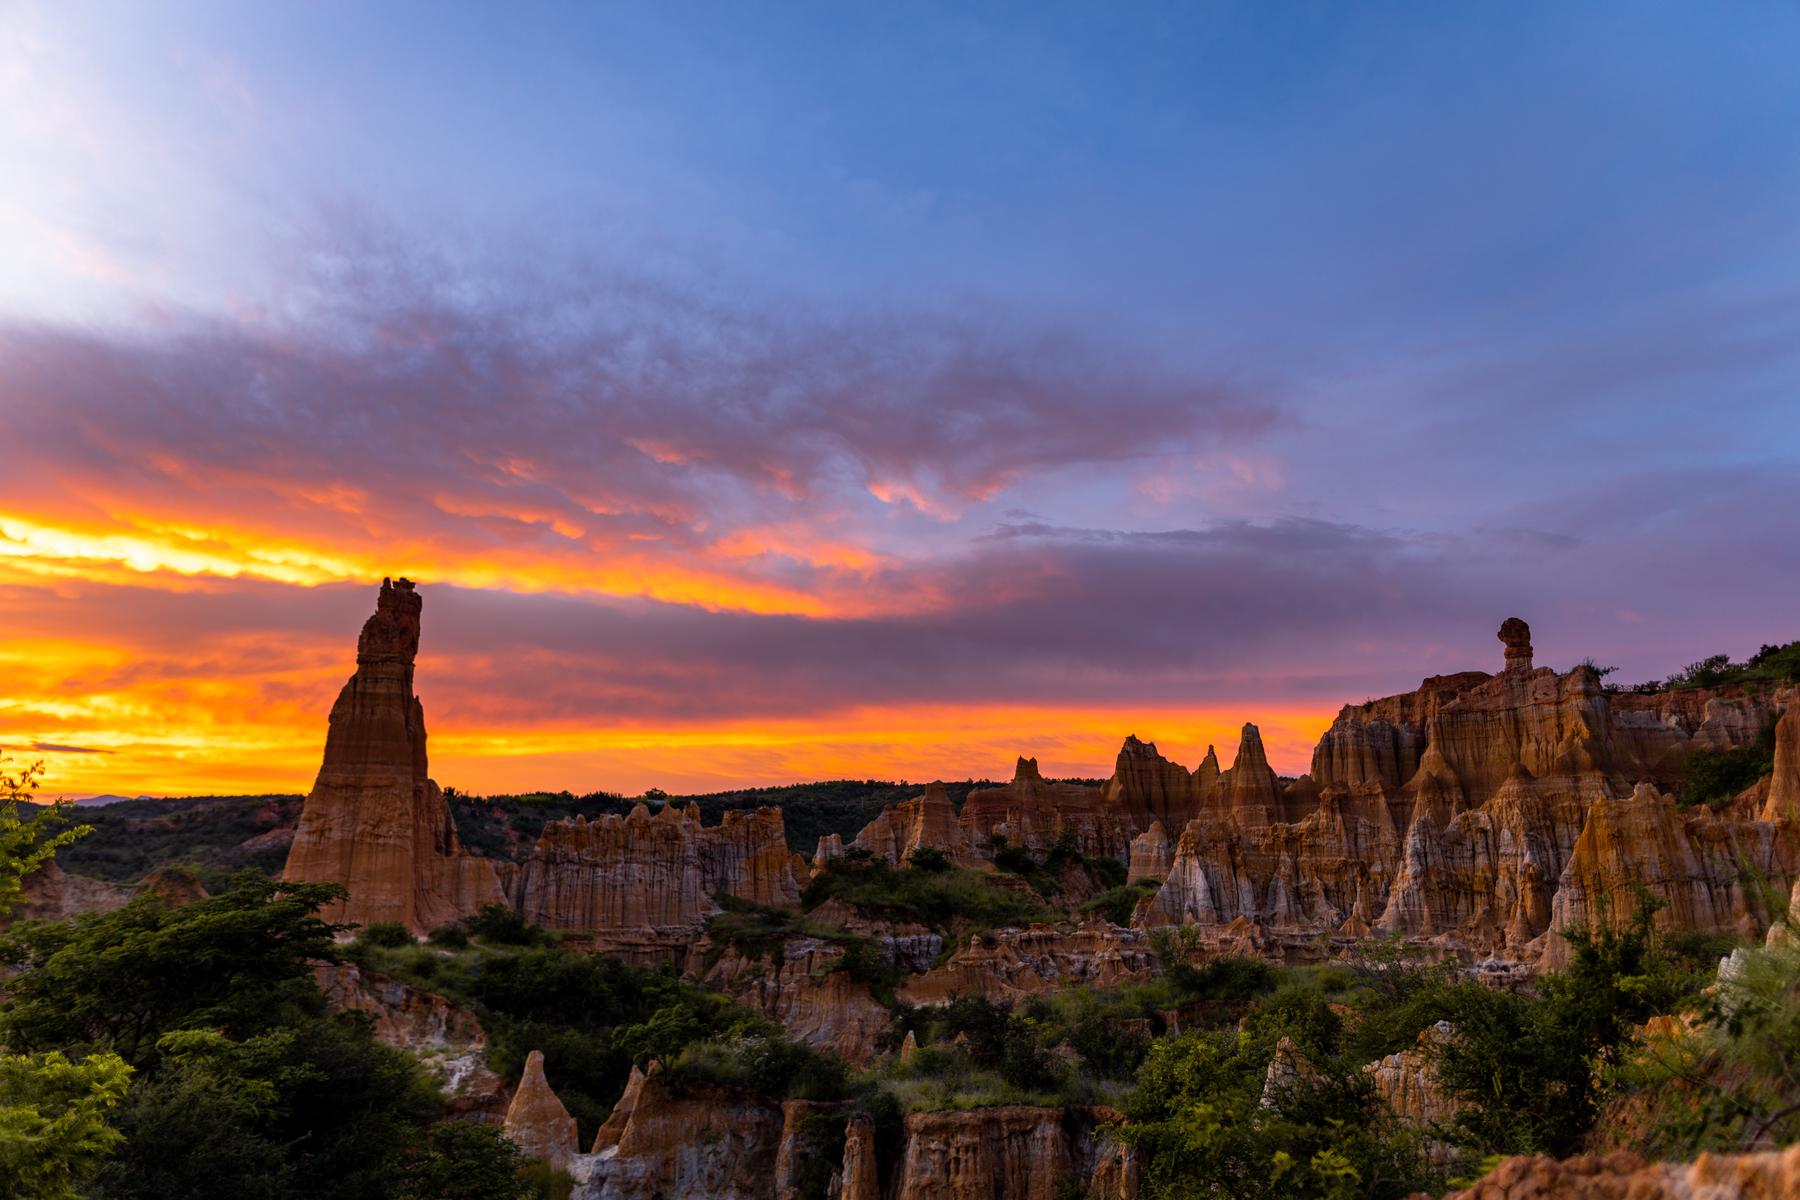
[(763, 393)]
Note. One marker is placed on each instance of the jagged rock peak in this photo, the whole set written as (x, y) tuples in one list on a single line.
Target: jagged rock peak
[(1250, 749), (1027, 768), (392, 633), (1516, 635)]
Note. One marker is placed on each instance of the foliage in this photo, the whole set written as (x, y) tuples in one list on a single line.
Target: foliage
[(1732, 1082), (1771, 663), (316, 1107), (1715, 777), (27, 839), (459, 1160), (1116, 904), (942, 900), (239, 963), (54, 1114), (1199, 1116), (594, 1017), (385, 933)]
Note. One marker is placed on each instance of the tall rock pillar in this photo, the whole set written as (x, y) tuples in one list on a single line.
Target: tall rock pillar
[(374, 821)]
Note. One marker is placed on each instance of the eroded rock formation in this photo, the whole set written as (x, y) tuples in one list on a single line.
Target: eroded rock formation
[(1481, 813), (642, 885), (1033, 812), (444, 1036), (374, 821), (1624, 1175), (536, 1120)]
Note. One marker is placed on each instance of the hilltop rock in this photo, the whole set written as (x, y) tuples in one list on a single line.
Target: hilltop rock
[(374, 821), (642, 885)]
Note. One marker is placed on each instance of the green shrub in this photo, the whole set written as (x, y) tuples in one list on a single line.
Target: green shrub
[(386, 933), (1715, 777)]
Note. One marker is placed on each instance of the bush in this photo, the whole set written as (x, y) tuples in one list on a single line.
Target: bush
[(941, 900), (1715, 777), (1116, 904), (386, 933)]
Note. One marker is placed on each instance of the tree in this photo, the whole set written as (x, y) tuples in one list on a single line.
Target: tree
[(27, 844), (53, 1112), (240, 962)]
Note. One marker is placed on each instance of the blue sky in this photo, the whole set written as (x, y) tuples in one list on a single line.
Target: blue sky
[(846, 312)]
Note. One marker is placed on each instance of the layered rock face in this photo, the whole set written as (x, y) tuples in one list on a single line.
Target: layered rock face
[(926, 821), (1008, 964), (709, 1141), (1150, 789), (642, 885), (1034, 813), (1483, 812), (1014, 1153), (374, 821), (725, 1144), (1623, 1175), (804, 990)]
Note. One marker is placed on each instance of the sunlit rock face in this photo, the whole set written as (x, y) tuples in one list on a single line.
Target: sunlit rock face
[(374, 821), (642, 885), (1482, 813)]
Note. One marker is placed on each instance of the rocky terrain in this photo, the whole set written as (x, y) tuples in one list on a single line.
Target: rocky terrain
[(1471, 821)]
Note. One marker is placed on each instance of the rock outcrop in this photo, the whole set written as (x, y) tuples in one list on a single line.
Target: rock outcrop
[(709, 1141), (805, 990), (1033, 813), (536, 1120), (374, 821), (444, 1036), (641, 886), (1014, 1153), (1007, 964), (927, 821), (1624, 1175), (1481, 813), (1407, 1083)]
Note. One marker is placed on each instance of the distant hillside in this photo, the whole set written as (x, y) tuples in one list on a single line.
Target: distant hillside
[(217, 835), (214, 834)]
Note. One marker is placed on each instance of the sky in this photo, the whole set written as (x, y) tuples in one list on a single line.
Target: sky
[(763, 393)]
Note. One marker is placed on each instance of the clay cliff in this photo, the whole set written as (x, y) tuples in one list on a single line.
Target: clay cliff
[(725, 1144), (1480, 813), (642, 885), (1623, 1175), (374, 821), (1033, 813)]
